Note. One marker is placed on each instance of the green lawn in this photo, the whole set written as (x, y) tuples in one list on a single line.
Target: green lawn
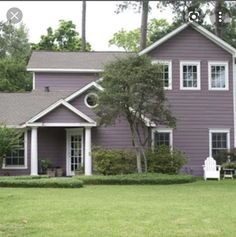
[(196, 209)]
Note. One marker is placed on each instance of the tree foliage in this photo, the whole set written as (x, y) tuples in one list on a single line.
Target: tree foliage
[(14, 55), (64, 38), (9, 140), (133, 88), (129, 40)]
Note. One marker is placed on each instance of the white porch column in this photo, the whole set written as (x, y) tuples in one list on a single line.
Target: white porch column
[(88, 158), (34, 151)]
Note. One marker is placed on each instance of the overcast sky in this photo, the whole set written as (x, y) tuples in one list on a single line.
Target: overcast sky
[(102, 22)]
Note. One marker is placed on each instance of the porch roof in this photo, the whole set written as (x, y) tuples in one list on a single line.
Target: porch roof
[(17, 108)]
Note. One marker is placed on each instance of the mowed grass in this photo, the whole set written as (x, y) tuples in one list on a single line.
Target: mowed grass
[(195, 209)]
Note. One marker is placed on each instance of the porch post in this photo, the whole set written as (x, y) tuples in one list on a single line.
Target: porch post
[(88, 158), (34, 151)]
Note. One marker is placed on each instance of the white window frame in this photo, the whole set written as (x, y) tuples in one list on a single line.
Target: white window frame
[(190, 63), (19, 167), (216, 130), (217, 63), (163, 130), (86, 97), (169, 64)]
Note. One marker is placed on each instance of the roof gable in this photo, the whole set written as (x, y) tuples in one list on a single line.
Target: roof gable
[(199, 29)]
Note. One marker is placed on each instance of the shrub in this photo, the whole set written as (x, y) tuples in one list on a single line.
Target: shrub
[(226, 156), (40, 182), (142, 179), (166, 161), (112, 162)]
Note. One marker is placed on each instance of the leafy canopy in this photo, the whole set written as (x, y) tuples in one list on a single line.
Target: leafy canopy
[(129, 40), (64, 38)]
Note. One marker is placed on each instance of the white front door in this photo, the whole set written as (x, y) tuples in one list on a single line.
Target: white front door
[(74, 149)]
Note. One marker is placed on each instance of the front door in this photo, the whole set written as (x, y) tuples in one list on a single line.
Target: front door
[(74, 150)]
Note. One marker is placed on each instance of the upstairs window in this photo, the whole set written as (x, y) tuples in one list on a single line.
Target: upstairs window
[(218, 76), (166, 73), (190, 75)]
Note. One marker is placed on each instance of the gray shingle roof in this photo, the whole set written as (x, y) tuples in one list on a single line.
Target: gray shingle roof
[(72, 60), (17, 108)]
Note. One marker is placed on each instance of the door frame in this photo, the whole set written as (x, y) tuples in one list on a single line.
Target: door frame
[(69, 132)]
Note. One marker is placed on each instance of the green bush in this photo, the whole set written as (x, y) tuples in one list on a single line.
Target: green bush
[(135, 179), (166, 161), (226, 156), (23, 182), (113, 162)]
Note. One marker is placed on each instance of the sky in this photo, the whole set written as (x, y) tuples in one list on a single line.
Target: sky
[(102, 21)]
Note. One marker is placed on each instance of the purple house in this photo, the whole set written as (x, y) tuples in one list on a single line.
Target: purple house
[(199, 74)]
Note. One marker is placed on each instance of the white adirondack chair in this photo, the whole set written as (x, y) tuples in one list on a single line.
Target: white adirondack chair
[(211, 169)]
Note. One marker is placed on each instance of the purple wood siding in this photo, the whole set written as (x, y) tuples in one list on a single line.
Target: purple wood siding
[(52, 146), (196, 111), (63, 81), (117, 136), (61, 115)]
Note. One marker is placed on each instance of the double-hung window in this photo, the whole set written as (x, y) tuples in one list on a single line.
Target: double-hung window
[(17, 159), (218, 76), (165, 72), (219, 140), (162, 136), (190, 75)]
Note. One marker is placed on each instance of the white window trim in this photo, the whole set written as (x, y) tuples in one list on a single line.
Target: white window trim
[(86, 97), (169, 63), (218, 63), (192, 63), (20, 167), (163, 130), (216, 130)]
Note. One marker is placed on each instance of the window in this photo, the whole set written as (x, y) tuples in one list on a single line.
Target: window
[(91, 100), (162, 136), (190, 75), (219, 141), (166, 73), (17, 158), (218, 76)]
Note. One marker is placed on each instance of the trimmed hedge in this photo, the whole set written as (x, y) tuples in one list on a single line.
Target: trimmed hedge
[(142, 179), (40, 182)]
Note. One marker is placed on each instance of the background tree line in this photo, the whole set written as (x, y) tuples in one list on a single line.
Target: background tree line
[(15, 48)]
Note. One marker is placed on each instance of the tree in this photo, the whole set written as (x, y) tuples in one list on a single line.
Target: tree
[(83, 48), (9, 140), (64, 38), (14, 55), (133, 88), (144, 5), (129, 40)]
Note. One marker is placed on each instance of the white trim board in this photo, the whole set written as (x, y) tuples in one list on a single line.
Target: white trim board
[(57, 104), (61, 124), (73, 70), (198, 28)]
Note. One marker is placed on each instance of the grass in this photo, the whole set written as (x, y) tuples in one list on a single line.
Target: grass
[(203, 209)]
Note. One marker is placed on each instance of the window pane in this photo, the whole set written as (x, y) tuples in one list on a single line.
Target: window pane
[(190, 76), (218, 76), (219, 143), (161, 138)]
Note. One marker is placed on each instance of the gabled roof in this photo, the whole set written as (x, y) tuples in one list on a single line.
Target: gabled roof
[(198, 28), (71, 61), (17, 108)]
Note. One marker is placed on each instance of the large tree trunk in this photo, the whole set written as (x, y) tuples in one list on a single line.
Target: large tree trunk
[(143, 39), (83, 36), (218, 5)]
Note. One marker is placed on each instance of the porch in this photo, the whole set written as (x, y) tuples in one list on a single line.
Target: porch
[(66, 147)]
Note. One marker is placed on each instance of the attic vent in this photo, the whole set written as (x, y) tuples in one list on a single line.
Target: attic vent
[(47, 89)]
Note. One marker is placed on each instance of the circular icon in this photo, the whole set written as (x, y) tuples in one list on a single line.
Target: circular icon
[(193, 16), (14, 15)]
